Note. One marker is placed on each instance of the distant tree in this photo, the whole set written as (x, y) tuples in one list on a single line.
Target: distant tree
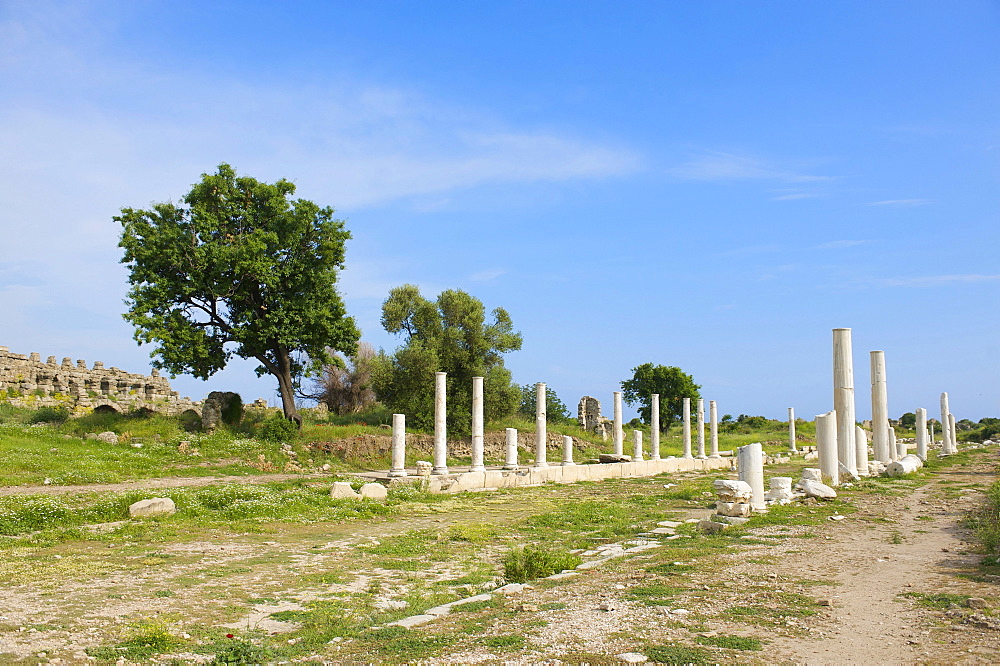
[(673, 385), (908, 420), (726, 418), (447, 335), (555, 410), (239, 269), (345, 386)]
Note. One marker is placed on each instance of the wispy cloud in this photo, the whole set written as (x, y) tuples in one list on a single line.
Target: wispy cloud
[(933, 280), (901, 203), (750, 249), (841, 244), (486, 276), (732, 166)]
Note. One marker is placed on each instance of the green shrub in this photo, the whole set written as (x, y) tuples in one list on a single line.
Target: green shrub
[(673, 653), (50, 415), (528, 563), (239, 651), (278, 429)]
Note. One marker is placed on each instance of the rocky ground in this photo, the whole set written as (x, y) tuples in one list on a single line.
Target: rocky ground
[(895, 580)]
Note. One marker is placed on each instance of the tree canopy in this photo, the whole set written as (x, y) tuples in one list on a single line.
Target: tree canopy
[(239, 269), (448, 335), (555, 410), (673, 385)]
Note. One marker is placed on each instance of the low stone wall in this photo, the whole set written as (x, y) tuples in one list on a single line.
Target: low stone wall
[(26, 381), (555, 473)]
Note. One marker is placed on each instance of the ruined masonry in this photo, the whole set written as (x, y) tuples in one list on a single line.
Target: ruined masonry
[(28, 382)]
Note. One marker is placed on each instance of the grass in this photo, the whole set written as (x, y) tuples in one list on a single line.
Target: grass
[(937, 601), (731, 642)]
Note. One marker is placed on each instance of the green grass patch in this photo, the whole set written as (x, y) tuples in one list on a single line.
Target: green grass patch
[(675, 653), (530, 562), (731, 642), (655, 594), (506, 642), (938, 600)]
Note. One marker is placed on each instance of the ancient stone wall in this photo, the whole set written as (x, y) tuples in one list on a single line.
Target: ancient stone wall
[(27, 381)]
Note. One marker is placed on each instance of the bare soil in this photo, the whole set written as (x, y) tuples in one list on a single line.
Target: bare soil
[(871, 568)]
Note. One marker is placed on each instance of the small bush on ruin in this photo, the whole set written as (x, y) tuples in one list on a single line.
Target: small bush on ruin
[(278, 429), (50, 415), (530, 562)]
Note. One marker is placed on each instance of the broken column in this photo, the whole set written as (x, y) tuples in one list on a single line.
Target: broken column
[(791, 431), (826, 446), (897, 446), (880, 409), (945, 425), (440, 424), (654, 428), (686, 420), (618, 434), (922, 433), (478, 436), (511, 441), (713, 429), (843, 398), (751, 468), (905, 465), (701, 428), (952, 434), (541, 433), (734, 500), (398, 467), (636, 445), (781, 491), (861, 443), (567, 451)]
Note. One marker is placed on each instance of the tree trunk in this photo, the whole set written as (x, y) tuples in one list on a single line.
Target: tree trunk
[(286, 387)]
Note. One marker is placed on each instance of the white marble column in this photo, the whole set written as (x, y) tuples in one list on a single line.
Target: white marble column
[(398, 467), (478, 436), (619, 435), (930, 440), (922, 433), (894, 445), (945, 425), (636, 445), (440, 424), (880, 409), (952, 433), (686, 420), (567, 451), (843, 398), (654, 429), (750, 459), (791, 431), (541, 431), (861, 444), (826, 447), (511, 441), (713, 429), (701, 428)]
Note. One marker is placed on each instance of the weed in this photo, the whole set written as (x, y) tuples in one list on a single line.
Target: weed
[(528, 563), (146, 639), (505, 642), (896, 537), (654, 595), (939, 600), (731, 642), (234, 650)]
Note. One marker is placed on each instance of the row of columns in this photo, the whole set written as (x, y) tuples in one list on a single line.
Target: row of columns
[(841, 443), (440, 465)]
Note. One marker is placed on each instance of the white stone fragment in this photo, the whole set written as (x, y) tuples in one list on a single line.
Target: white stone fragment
[(413, 621), (907, 464), (342, 489), (816, 489), (156, 506), (632, 658), (740, 509), (812, 474), (728, 490), (374, 491)]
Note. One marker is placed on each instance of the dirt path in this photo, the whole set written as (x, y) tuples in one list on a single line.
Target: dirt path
[(908, 545)]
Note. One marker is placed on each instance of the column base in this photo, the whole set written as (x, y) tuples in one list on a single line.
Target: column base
[(396, 473), (478, 468), (540, 464), (510, 467), (567, 464), (439, 470)]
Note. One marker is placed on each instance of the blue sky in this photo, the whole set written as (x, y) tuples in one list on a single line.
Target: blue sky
[(712, 185)]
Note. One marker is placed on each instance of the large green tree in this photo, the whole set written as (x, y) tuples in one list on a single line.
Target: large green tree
[(555, 409), (237, 269), (673, 385), (448, 335)]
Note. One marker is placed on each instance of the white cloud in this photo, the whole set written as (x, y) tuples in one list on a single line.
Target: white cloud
[(841, 244), (934, 280), (731, 166), (901, 203)]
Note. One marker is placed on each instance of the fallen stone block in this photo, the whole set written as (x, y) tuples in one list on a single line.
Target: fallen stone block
[(732, 491), (812, 474), (711, 527), (342, 490), (375, 491), (816, 489), (413, 621), (156, 506)]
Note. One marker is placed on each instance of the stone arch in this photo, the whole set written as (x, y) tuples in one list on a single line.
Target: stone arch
[(105, 407)]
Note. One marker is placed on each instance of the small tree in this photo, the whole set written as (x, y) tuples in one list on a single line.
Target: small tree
[(908, 420), (239, 270), (345, 386), (555, 410), (447, 335), (673, 385)]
